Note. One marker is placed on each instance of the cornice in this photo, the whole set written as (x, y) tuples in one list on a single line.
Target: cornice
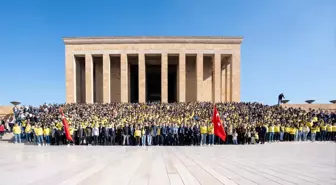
[(152, 40)]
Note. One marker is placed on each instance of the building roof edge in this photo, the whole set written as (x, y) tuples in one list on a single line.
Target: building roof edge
[(153, 39)]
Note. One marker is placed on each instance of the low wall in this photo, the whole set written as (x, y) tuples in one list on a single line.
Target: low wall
[(330, 107)]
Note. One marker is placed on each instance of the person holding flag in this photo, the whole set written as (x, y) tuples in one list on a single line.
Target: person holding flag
[(66, 127), (218, 126)]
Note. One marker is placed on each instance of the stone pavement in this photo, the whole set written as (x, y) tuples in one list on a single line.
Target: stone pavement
[(279, 163)]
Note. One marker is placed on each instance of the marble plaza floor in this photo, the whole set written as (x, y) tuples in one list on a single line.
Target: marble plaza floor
[(280, 163)]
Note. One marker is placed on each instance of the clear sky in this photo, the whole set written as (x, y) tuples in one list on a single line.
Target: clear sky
[(289, 45)]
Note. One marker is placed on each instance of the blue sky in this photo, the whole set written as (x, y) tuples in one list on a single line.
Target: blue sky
[(289, 45)]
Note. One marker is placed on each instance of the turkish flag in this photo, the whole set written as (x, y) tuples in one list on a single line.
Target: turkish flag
[(66, 126), (218, 127)]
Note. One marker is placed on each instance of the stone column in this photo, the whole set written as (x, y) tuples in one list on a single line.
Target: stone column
[(223, 93), (235, 75), (124, 78), (142, 78), (199, 76), (106, 78), (70, 78), (217, 75), (88, 78), (228, 81), (182, 77), (164, 78)]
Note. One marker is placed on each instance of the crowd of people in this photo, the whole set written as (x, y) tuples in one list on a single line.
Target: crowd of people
[(167, 124)]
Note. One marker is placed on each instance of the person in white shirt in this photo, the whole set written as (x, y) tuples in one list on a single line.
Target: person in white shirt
[(95, 134)]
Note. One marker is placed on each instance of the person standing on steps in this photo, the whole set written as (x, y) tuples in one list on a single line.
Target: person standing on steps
[(280, 98)]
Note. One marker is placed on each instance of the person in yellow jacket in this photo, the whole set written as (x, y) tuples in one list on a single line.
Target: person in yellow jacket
[(323, 128), (276, 132), (72, 132), (318, 133), (211, 134), (334, 132), (329, 131), (143, 135), (313, 133), (17, 133), (256, 137), (292, 133), (46, 133), (28, 131), (287, 132), (282, 132), (39, 135), (204, 131), (267, 132), (137, 135), (24, 123), (270, 133)]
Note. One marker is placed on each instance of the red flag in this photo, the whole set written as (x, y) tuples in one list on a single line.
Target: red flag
[(66, 126), (218, 127)]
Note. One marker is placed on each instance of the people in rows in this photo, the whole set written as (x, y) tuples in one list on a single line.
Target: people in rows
[(169, 124)]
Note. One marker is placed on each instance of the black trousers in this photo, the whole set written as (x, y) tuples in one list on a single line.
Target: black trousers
[(100, 139), (81, 140), (196, 139), (137, 140), (187, 139), (73, 140), (318, 136), (175, 139), (154, 140), (229, 140), (286, 136), (58, 138), (181, 139), (163, 140), (292, 137), (53, 141), (170, 139), (329, 134), (89, 140), (276, 136), (95, 138), (105, 139), (112, 139), (261, 138)]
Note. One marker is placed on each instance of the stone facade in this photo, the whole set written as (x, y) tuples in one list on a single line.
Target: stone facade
[(207, 68)]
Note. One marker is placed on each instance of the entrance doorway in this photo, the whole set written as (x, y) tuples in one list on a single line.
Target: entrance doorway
[(172, 83), (134, 83), (153, 83)]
